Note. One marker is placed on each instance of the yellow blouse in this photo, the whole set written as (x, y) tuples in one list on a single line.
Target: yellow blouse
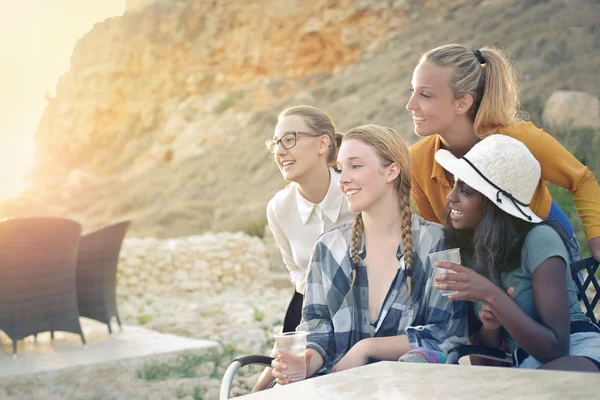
[(430, 186)]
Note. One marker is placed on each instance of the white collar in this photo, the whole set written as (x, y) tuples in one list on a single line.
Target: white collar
[(331, 205)]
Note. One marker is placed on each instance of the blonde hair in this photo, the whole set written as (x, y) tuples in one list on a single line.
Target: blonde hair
[(318, 121), (390, 148), (492, 84)]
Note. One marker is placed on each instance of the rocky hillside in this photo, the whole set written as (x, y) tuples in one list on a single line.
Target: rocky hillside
[(164, 112)]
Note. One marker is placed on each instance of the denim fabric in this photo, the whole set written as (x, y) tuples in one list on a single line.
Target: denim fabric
[(582, 344), (558, 215)]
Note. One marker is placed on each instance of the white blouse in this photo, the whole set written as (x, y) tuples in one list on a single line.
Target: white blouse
[(298, 223)]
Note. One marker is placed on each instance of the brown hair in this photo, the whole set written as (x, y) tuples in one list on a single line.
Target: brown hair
[(391, 149), (492, 84), (318, 121)]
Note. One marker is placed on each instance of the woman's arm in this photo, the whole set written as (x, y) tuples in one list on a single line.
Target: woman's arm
[(316, 316), (279, 365), (490, 332), (560, 167), (545, 340), (491, 338), (314, 362), (594, 245), (548, 339), (389, 348), (322, 298)]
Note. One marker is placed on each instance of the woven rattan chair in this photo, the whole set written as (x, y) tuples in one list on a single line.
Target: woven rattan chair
[(97, 273), (37, 277)]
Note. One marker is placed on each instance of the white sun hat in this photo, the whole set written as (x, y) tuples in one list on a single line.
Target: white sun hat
[(502, 169)]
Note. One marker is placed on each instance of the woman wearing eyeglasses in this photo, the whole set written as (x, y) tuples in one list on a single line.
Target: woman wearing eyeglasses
[(304, 146)]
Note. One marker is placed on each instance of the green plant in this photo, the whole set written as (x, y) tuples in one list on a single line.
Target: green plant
[(209, 314), (583, 143), (229, 350), (256, 228), (153, 371), (532, 110), (183, 366), (229, 100), (143, 319), (258, 315), (180, 393), (196, 395), (270, 343)]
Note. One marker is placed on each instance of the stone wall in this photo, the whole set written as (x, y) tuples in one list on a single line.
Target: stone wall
[(212, 263)]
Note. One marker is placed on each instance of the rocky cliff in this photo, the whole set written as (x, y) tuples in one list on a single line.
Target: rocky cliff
[(164, 112)]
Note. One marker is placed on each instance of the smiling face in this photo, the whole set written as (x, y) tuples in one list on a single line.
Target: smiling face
[(432, 102), (363, 180), (465, 206), (309, 151)]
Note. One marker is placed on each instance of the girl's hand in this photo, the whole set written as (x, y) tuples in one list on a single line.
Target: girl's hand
[(355, 357), (283, 359), (487, 317), (470, 285)]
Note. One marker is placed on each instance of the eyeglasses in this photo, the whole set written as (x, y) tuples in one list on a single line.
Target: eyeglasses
[(287, 141)]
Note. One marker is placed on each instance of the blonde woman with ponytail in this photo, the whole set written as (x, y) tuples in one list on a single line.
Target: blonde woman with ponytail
[(460, 96), (369, 292)]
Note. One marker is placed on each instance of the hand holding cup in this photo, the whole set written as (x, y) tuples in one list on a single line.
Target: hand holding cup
[(290, 357)]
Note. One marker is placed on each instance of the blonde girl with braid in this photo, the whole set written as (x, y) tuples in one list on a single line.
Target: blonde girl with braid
[(369, 291)]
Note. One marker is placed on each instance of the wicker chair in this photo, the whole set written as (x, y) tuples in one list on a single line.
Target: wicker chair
[(97, 273), (37, 277)]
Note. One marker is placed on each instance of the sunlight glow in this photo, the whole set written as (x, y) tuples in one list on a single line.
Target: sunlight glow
[(37, 38)]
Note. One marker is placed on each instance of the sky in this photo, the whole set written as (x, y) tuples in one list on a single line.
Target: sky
[(37, 38)]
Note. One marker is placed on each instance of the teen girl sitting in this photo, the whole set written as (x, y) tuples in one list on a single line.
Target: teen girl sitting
[(518, 268), (369, 292)]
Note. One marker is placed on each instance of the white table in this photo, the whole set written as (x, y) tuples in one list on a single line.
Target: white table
[(394, 380)]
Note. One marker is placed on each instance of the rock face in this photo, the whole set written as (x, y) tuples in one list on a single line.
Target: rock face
[(572, 109), (163, 115), (138, 5), (155, 81)]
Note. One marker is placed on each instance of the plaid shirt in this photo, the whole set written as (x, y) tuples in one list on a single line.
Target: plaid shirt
[(336, 322)]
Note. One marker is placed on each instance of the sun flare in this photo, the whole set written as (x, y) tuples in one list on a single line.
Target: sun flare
[(36, 50)]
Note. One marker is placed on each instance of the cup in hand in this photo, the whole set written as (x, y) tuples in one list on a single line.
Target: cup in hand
[(293, 343), (451, 255)]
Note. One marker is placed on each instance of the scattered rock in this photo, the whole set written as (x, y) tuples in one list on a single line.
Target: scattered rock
[(569, 109)]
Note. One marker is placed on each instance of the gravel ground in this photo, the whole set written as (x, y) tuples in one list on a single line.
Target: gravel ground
[(242, 322)]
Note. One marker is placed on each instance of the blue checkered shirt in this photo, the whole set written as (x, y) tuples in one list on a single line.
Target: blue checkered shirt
[(336, 322)]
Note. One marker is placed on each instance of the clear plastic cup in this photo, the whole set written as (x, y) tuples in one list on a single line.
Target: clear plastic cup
[(450, 255), (293, 343)]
